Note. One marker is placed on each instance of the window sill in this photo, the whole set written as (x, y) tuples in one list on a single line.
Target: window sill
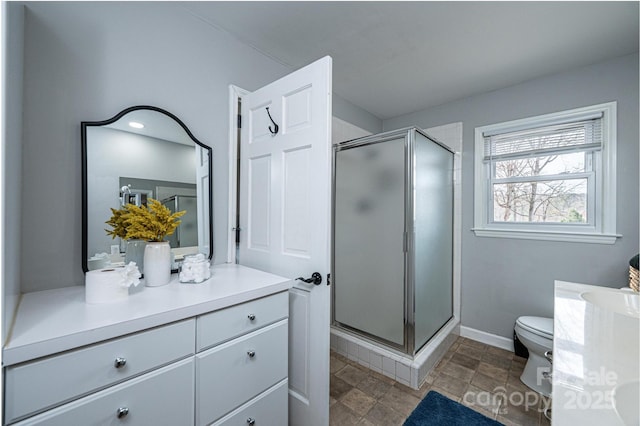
[(588, 238)]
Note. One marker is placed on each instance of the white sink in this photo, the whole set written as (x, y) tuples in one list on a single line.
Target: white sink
[(621, 302), (625, 402)]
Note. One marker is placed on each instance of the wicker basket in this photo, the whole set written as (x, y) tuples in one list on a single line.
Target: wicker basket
[(634, 281)]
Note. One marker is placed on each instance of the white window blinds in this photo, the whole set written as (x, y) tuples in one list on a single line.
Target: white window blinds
[(582, 135)]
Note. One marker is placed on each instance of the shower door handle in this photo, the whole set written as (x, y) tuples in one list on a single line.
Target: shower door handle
[(315, 278)]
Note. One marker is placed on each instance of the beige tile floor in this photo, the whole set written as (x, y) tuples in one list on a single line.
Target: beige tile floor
[(479, 376)]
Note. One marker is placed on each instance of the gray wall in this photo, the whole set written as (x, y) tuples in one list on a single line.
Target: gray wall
[(355, 115), (12, 48), (86, 61), (505, 278)]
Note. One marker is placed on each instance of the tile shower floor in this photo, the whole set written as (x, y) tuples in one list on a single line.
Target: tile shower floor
[(482, 377)]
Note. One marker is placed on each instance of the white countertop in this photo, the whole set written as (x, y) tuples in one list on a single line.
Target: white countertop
[(52, 321), (594, 350)]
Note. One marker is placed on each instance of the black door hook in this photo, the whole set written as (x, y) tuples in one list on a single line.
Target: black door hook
[(273, 131), (316, 278)]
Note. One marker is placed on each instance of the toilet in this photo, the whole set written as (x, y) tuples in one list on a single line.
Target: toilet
[(536, 334)]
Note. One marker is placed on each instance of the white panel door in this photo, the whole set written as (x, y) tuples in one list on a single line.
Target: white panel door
[(285, 213), (202, 185)]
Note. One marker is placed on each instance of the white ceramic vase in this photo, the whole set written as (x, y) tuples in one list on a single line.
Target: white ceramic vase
[(157, 264)]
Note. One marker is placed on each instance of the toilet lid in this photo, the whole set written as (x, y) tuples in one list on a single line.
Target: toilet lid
[(538, 325)]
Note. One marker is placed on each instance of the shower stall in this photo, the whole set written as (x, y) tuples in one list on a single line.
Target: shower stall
[(393, 213), (186, 234)]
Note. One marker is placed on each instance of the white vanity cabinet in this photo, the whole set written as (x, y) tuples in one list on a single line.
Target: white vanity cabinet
[(596, 353), (38, 385), (162, 397), (237, 371), (220, 356)]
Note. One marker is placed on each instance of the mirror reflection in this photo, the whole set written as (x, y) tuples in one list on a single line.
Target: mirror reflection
[(142, 153)]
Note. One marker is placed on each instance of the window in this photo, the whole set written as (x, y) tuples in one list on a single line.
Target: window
[(549, 177)]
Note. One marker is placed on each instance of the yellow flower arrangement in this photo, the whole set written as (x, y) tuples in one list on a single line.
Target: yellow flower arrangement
[(152, 223), (117, 222)]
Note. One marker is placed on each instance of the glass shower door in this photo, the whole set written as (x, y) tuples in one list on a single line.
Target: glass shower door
[(186, 234), (369, 258), (433, 236), (189, 222)]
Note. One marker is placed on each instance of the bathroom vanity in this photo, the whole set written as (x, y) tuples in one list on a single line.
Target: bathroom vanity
[(181, 354), (595, 356)]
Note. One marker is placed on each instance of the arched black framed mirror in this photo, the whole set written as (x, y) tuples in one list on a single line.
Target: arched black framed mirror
[(144, 152)]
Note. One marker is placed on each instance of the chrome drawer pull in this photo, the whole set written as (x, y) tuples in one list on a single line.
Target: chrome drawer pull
[(251, 354), (251, 421), (251, 317), (120, 362), (549, 356), (122, 412), (547, 413), (547, 375)]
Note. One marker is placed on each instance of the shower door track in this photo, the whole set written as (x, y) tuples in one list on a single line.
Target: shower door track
[(399, 349)]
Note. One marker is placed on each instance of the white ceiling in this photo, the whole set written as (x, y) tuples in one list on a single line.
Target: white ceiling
[(393, 58)]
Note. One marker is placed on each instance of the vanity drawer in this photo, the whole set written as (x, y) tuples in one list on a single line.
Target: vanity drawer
[(268, 408), (231, 374), (45, 383), (161, 397), (225, 324)]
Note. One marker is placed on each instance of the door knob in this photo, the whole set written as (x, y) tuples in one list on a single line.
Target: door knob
[(122, 412), (315, 278)]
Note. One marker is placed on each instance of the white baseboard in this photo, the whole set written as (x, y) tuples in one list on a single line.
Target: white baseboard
[(488, 338)]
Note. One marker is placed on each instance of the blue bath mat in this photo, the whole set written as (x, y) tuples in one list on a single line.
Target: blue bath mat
[(438, 410)]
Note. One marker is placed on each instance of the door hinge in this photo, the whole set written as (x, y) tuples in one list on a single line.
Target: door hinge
[(239, 121)]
